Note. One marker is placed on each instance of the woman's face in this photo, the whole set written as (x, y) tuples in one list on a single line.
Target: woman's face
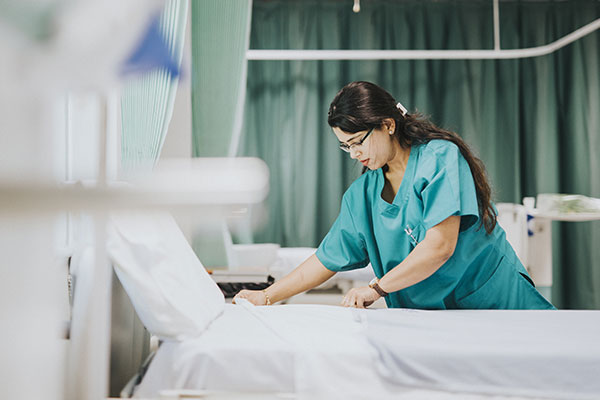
[(377, 149)]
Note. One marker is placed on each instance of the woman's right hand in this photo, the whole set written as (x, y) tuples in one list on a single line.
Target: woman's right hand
[(311, 273), (256, 297)]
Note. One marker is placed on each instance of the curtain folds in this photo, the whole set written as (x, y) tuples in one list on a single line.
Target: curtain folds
[(534, 122), (147, 100), (220, 37)]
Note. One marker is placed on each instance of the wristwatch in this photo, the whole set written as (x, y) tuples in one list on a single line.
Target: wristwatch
[(374, 284)]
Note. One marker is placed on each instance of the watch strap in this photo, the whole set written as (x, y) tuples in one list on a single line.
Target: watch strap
[(375, 286)]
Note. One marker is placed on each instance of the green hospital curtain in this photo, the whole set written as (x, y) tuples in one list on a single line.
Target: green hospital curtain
[(534, 122), (147, 100), (220, 37), (220, 34)]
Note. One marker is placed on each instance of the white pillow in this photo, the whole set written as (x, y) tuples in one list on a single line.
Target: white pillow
[(170, 290)]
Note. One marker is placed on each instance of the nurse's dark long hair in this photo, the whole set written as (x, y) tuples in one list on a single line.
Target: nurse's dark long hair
[(359, 106)]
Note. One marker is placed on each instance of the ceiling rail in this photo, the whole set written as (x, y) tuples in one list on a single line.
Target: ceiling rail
[(281, 55)]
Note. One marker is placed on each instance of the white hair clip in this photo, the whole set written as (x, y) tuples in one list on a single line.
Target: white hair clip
[(402, 109)]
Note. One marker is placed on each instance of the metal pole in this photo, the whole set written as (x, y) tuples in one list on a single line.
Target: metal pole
[(496, 26), (281, 55)]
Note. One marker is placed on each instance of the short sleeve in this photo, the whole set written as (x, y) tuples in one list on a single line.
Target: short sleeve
[(446, 185), (343, 248)]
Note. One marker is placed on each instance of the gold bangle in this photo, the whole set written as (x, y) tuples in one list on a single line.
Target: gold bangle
[(267, 297)]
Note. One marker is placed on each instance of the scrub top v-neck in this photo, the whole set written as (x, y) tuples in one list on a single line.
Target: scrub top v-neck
[(402, 193), (483, 272)]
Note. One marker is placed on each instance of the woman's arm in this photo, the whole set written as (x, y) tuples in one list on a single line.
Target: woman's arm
[(426, 258), (311, 273)]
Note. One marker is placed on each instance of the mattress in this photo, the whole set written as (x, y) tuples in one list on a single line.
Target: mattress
[(315, 351)]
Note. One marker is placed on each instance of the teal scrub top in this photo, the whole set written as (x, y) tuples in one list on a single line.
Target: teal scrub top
[(484, 271)]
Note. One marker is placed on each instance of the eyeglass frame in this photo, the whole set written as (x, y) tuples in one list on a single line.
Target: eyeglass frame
[(348, 148)]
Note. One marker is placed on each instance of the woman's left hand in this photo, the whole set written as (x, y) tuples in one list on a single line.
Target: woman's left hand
[(361, 297)]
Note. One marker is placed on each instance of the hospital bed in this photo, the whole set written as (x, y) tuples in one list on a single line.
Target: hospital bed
[(332, 352), (318, 351)]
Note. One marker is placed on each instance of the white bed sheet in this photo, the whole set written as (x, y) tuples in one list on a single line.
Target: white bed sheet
[(549, 354), (332, 352), (286, 349)]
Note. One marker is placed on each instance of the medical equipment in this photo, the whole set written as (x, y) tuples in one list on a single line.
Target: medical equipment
[(529, 229), (568, 207)]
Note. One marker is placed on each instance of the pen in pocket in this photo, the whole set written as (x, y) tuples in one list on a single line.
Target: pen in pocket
[(409, 232)]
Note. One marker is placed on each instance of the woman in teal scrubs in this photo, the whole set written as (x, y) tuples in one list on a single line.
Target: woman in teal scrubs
[(421, 214)]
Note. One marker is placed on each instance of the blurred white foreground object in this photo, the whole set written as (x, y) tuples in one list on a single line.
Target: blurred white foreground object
[(242, 180), (49, 48)]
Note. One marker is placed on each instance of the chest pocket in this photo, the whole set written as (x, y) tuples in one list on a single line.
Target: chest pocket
[(415, 233)]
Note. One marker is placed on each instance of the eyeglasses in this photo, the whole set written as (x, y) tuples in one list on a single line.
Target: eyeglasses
[(347, 148)]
